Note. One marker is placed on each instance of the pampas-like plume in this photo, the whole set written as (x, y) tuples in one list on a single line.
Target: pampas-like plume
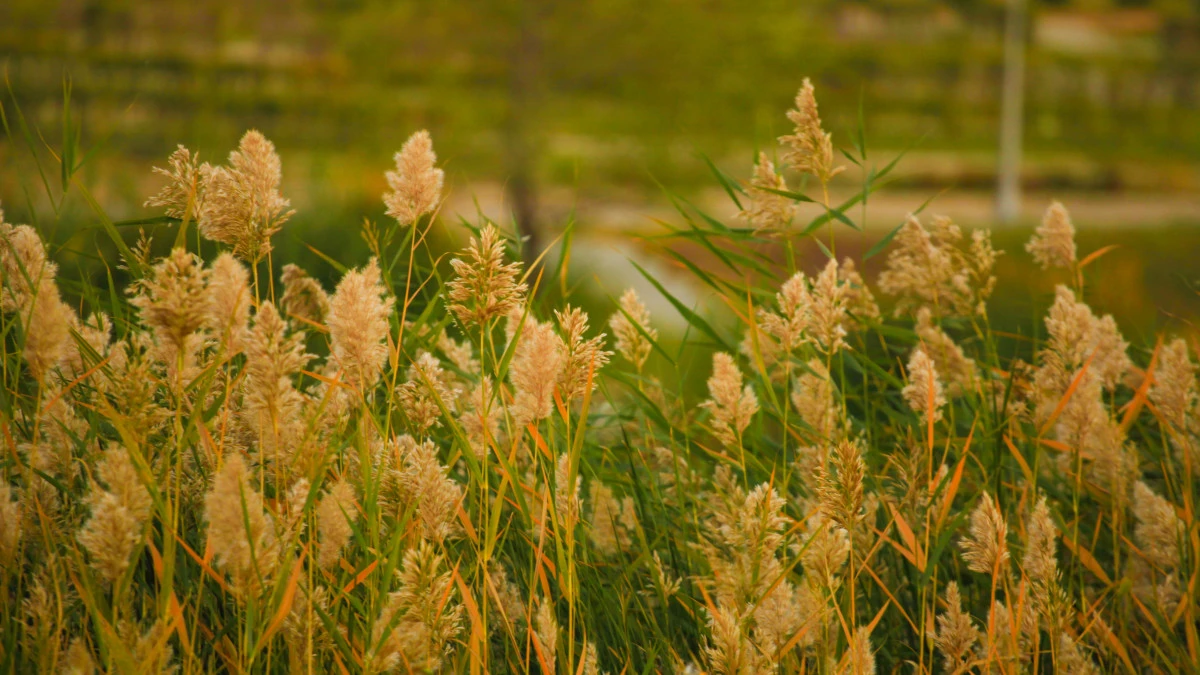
[(791, 324), (536, 368), (1053, 243), (27, 287), (746, 531), (956, 632), (929, 268), (613, 523), (241, 534), (767, 210), (242, 206), (584, 357), (985, 548), (1174, 389), (731, 405), (427, 385), (814, 397), (631, 325), (567, 503), (119, 514), (840, 491), (1071, 659), (303, 296), (1077, 335), (828, 310), (183, 195), (858, 659), (1040, 563), (809, 148), (728, 650), (480, 420), (416, 184), (951, 363), (229, 300), (860, 301), (10, 525), (545, 636), (174, 300), (358, 326), (77, 660), (417, 628), (24, 264), (484, 287), (335, 515), (271, 404), (425, 482), (924, 388), (1157, 535)]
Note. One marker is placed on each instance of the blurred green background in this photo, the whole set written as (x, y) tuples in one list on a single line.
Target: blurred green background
[(581, 110)]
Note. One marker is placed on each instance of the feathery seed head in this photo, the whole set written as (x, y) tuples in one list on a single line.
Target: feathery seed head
[(303, 296), (1040, 564), (731, 405), (828, 309), (536, 368), (358, 326), (924, 390), (240, 532), (484, 287), (242, 206), (630, 325), (1053, 243), (229, 300), (809, 149), (956, 632), (985, 548), (416, 184), (174, 299), (335, 514), (584, 357), (183, 195), (766, 210)]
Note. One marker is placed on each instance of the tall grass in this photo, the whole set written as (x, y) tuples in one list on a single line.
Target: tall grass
[(226, 467)]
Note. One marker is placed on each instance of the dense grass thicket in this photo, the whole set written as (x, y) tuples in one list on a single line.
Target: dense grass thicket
[(226, 467)]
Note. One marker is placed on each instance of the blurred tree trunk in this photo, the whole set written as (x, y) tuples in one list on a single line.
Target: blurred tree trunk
[(1012, 103), (524, 62)]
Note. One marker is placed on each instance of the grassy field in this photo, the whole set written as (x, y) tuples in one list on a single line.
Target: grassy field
[(840, 451)]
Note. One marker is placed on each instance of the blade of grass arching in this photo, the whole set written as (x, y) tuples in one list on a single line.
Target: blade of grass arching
[(861, 131), (1139, 397), (866, 365), (27, 136), (68, 141), (1066, 397), (564, 260), (691, 317), (790, 194), (287, 597), (337, 266), (836, 213), (887, 238), (651, 408), (731, 188), (131, 261)]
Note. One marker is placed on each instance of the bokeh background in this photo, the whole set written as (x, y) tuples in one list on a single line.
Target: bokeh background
[(591, 111)]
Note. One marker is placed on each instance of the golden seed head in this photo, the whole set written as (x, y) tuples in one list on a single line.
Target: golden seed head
[(631, 325), (358, 326), (242, 206), (416, 184), (1053, 243)]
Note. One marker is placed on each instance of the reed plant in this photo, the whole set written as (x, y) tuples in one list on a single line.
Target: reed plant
[(226, 466)]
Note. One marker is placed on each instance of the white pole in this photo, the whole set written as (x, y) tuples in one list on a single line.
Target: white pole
[(1012, 102)]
